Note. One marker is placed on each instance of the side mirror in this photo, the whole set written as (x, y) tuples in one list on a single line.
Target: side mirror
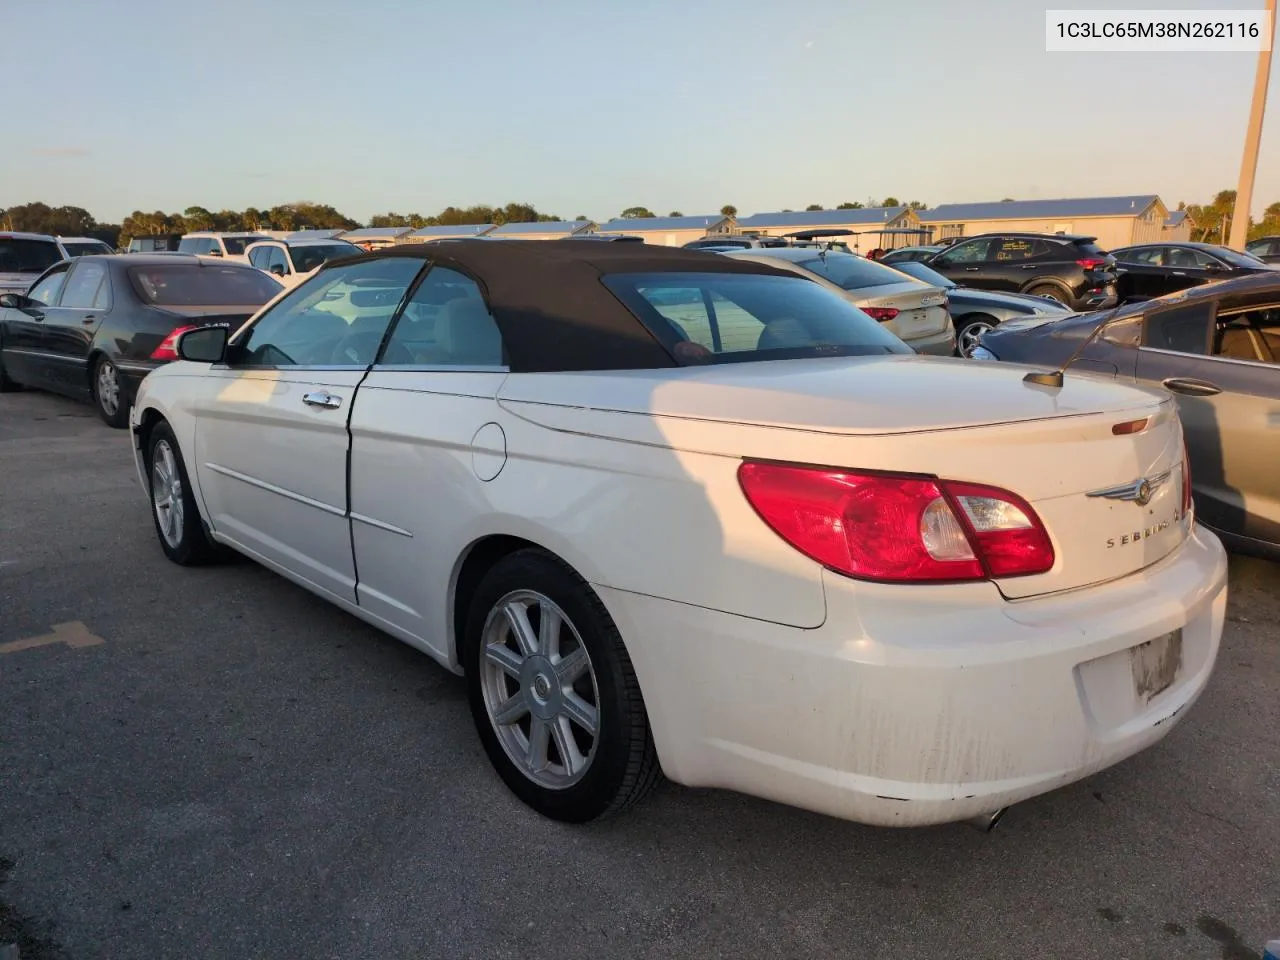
[(203, 345), (277, 269), (1213, 266), (12, 301), (214, 253)]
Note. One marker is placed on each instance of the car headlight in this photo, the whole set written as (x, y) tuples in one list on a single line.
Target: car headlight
[(982, 353)]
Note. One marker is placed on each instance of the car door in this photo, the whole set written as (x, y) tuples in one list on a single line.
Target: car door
[(427, 439), (965, 262), (1218, 359), (69, 327), (1188, 267), (271, 437), (1140, 273), (22, 337)]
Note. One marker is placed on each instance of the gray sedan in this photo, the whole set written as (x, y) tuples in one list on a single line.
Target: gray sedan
[(1217, 349)]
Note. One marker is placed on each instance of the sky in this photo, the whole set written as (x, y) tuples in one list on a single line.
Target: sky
[(589, 106)]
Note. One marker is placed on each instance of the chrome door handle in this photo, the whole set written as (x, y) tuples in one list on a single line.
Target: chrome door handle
[(1191, 387), (971, 269), (322, 399)]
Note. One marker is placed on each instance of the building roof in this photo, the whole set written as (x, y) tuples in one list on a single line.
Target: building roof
[(312, 234), (1175, 218), (545, 226), (649, 224), (1130, 206), (456, 230), (820, 218), (376, 233)]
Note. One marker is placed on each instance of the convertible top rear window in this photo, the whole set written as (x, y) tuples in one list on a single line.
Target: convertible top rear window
[(722, 317)]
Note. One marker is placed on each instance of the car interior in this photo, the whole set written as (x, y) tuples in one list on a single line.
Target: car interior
[(1252, 335)]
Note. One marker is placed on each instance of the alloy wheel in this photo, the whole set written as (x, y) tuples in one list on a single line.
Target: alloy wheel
[(166, 493), (540, 689), (108, 388), (971, 335)]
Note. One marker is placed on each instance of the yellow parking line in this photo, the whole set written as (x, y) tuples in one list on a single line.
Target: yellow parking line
[(74, 635)]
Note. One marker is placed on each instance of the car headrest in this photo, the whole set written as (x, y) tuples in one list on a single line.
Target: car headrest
[(467, 334)]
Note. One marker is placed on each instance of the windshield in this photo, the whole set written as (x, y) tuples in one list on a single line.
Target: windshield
[(852, 273), (19, 255), (311, 256), (196, 285), (86, 248), (919, 271), (1238, 259), (724, 317), (235, 245)]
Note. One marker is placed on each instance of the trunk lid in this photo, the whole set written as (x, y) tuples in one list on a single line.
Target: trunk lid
[(921, 309), (952, 419)]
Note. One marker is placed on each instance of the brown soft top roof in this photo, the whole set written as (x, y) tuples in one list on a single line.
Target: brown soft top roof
[(548, 300)]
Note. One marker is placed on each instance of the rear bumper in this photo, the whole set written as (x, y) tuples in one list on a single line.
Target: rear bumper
[(936, 344), (133, 372), (914, 706)]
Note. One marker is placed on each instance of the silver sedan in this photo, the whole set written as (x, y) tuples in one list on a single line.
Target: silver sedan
[(915, 311)]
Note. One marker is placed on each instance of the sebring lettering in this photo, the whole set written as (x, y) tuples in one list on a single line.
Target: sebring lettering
[(1144, 534)]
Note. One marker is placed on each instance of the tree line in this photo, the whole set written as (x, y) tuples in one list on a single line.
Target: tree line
[(1212, 221)]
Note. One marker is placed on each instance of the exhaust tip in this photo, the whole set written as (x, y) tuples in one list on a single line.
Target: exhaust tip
[(986, 822)]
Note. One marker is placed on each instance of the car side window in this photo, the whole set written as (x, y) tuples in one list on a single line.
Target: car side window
[(258, 257), (1147, 256), (445, 323), (276, 262), (1250, 334), (336, 319), (971, 251), (46, 291), (1017, 248), (1182, 329), (84, 287), (1188, 259)]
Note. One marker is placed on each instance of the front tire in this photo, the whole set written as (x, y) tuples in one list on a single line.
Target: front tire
[(553, 693), (109, 395), (173, 505)]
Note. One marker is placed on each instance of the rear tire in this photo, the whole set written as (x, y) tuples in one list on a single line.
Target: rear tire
[(7, 383), (109, 395), (553, 693), (173, 505), (1053, 293)]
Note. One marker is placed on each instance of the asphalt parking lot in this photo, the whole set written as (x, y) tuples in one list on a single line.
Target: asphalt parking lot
[(213, 763)]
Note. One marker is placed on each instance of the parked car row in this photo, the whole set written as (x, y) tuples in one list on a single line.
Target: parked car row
[(93, 327)]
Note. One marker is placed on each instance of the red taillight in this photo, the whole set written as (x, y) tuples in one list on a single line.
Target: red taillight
[(898, 528), (880, 313), (168, 347), (1091, 263)]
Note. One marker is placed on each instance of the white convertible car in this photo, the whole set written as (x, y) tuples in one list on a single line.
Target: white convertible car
[(667, 510)]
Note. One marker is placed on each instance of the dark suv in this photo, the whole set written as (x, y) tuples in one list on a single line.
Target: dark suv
[(1073, 270)]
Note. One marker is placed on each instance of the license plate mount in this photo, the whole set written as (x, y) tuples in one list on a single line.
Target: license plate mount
[(1155, 665)]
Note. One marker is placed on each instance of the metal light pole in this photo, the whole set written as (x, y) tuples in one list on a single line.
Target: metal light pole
[(1249, 162)]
